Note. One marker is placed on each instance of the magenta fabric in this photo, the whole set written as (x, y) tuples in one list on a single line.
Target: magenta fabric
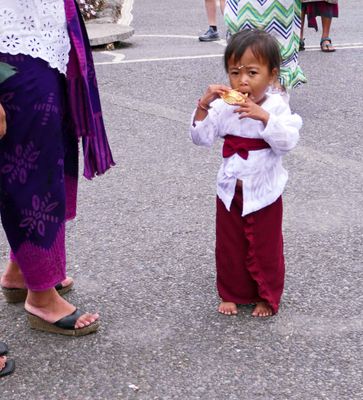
[(38, 155), (241, 146), (249, 253)]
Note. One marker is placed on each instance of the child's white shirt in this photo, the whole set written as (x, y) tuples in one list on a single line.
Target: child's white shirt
[(263, 176)]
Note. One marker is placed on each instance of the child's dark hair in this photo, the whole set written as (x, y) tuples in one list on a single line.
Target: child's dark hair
[(263, 46)]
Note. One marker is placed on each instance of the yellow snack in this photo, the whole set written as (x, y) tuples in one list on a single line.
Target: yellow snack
[(234, 97)]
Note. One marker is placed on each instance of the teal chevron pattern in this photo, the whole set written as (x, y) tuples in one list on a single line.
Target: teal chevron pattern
[(281, 18)]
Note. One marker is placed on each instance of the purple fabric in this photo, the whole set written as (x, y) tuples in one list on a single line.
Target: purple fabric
[(38, 170), (83, 96), (39, 153)]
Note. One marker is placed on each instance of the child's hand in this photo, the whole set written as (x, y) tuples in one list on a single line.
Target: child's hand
[(213, 92), (2, 122), (249, 109)]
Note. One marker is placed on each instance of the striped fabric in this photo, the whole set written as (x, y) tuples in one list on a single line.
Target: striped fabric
[(281, 18), (83, 97)]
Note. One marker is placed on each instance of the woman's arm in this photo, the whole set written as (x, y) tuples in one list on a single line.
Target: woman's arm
[(2, 122)]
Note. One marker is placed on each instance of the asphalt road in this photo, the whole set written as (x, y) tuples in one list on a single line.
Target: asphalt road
[(142, 247)]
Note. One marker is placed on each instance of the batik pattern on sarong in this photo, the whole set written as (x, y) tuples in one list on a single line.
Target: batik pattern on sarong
[(38, 170), (280, 18)]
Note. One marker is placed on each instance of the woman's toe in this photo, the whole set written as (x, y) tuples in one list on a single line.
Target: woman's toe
[(86, 320), (67, 282)]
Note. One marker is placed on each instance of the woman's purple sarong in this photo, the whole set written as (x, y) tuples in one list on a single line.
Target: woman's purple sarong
[(47, 114), (38, 170)]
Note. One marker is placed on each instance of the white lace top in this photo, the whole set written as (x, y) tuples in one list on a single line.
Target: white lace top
[(37, 28), (263, 176)]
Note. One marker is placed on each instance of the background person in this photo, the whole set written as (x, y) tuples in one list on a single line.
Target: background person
[(211, 9), (327, 10)]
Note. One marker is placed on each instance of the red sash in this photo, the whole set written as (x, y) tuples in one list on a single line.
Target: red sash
[(241, 146)]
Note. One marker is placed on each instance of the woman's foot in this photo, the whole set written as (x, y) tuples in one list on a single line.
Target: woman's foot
[(51, 307), (7, 366), (326, 45), (262, 309), (227, 308), (2, 362), (302, 44), (13, 278)]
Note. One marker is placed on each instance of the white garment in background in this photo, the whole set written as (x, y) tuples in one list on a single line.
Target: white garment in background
[(264, 178), (37, 28)]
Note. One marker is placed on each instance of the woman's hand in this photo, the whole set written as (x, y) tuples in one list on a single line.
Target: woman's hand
[(249, 109), (2, 122)]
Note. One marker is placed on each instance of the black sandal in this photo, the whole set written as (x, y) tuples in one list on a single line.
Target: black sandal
[(302, 45), (8, 369), (3, 349), (64, 326)]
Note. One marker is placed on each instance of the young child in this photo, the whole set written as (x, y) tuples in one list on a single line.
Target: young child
[(251, 179), (280, 18)]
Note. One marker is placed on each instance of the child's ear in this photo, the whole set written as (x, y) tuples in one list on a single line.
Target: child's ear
[(274, 75)]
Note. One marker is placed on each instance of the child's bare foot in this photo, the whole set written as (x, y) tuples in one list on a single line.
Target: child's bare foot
[(262, 309), (227, 308)]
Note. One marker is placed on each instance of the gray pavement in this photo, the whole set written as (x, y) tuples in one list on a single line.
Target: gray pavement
[(142, 247)]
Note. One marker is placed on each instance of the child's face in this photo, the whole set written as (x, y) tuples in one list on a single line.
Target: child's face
[(250, 75)]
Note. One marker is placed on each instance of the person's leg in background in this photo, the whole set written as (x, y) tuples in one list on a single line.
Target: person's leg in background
[(212, 33), (325, 42), (222, 4), (302, 40)]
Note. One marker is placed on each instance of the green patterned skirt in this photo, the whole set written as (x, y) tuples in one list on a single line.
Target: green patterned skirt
[(281, 18)]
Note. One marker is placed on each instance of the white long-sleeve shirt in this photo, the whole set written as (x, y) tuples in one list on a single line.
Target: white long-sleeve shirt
[(37, 28), (263, 176)]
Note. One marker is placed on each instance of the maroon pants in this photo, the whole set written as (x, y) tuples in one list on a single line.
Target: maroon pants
[(249, 253)]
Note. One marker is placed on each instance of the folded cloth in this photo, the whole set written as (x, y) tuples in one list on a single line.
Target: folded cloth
[(83, 96), (241, 146)]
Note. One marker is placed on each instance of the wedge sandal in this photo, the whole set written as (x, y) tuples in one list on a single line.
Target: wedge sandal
[(19, 295), (64, 326)]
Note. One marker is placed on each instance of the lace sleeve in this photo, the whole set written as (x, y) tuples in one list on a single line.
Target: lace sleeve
[(37, 28)]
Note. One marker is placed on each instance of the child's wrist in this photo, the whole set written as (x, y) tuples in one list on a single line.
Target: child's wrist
[(202, 105), (265, 117)]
